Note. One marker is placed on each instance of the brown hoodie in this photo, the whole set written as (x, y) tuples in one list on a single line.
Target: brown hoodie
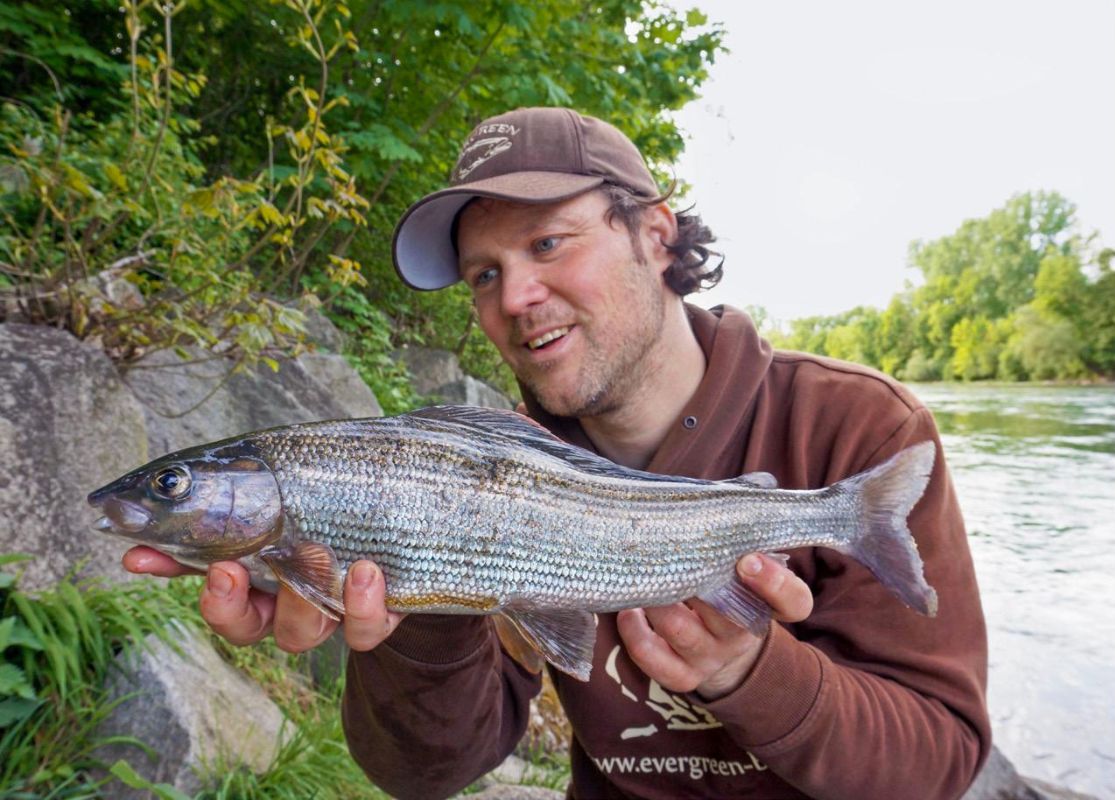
[(863, 700)]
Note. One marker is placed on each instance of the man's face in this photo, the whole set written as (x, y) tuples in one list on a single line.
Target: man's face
[(560, 291)]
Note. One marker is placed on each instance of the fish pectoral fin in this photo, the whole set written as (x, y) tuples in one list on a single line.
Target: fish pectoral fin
[(311, 571), (756, 480), (741, 605), (516, 645), (564, 638)]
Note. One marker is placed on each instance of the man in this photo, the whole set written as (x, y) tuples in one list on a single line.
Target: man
[(578, 268)]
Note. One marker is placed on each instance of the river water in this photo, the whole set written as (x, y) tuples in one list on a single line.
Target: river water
[(1034, 467)]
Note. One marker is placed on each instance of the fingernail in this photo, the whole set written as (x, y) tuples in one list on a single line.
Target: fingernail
[(219, 582), (362, 575), (753, 565)]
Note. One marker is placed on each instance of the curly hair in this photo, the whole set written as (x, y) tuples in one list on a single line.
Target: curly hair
[(690, 271)]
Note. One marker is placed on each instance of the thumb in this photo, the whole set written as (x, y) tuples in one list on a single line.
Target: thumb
[(231, 609)]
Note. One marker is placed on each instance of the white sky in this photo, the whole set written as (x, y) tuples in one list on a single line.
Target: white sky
[(835, 133)]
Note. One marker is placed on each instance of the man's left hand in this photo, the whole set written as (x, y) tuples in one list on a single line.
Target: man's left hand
[(692, 647)]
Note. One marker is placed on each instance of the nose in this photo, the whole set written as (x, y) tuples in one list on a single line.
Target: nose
[(522, 286)]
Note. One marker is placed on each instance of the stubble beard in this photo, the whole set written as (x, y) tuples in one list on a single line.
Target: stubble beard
[(607, 379)]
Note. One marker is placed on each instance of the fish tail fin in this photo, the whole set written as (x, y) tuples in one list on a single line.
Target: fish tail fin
[(884, 543)]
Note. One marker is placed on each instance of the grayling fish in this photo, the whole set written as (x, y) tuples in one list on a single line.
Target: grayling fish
[(475, 511)]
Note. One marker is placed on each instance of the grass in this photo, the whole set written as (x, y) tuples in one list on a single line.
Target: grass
[(56, 649)]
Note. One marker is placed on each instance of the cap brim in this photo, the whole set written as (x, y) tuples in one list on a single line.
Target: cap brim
[(422, 248)]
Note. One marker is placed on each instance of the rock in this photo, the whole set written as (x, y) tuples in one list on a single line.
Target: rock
[(197, 712), (509, 776), (430, 369), (999, 780), (111, 286), (322, 332), (548, 730), (471, 392), (1051, 792), (67, 426), (342, 382), (509, 792), (438, 374), (190, 403)]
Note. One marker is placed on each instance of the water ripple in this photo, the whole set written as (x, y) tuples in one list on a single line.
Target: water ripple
[(1034, 469)]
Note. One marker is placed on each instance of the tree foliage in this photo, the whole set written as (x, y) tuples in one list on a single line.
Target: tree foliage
[(1012, 296), (114, 230), (296, 134)]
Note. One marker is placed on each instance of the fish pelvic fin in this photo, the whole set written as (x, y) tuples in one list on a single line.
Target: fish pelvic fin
[(884, 543), (565, 638), (311, 571), (741, 605)]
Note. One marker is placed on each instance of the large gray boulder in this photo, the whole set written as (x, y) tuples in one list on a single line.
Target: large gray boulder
[(999, 780), (322, 332), (196, 712), (438, 374), (186, 403), (67, 426)]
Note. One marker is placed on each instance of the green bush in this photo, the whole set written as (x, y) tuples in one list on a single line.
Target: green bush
[(115, 229)]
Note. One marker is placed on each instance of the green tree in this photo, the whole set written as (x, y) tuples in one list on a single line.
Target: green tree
[(897, 335), (403, 82), (1098, 318), (976, 345), (1046, 347)]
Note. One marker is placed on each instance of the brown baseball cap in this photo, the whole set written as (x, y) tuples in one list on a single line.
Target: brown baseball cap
[(529, 155)]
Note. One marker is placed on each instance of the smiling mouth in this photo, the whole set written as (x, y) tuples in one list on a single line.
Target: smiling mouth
[(546, 338)]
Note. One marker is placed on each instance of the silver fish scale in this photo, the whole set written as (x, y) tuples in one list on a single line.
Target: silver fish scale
[(459, 523)]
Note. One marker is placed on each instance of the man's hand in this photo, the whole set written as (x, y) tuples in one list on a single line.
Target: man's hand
[(243, 615), (692, 647)]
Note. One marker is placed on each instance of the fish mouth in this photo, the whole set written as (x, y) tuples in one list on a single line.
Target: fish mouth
[(121, 516)]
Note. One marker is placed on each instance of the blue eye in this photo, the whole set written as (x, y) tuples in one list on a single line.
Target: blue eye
[(483, 277), (547, 244)]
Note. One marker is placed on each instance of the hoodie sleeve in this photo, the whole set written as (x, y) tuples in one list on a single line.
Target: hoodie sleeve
[(435, 706), (867, 699)]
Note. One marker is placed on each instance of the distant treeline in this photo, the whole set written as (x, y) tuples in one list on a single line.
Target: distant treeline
[(1018, 295)]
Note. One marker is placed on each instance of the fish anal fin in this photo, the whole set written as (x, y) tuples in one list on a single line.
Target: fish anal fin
[(517, 646), (311, 571), (565, 638), (741, 605)]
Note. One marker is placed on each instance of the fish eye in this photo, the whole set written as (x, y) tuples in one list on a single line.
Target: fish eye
[(172, 483)]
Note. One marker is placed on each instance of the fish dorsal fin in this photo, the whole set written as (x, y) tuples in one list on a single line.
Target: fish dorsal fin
[(516, 645), (311, 571), (515, 429), (756, 480), (740, 605), (565, 638)]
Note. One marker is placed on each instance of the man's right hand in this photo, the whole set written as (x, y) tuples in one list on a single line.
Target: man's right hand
[(243, 615)]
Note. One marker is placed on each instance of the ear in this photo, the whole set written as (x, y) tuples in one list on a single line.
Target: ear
[(660, 228)]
